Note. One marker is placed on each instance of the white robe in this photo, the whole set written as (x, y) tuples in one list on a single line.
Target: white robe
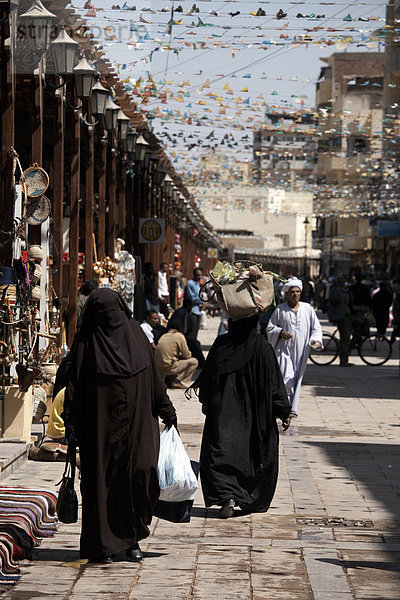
[(292, 354)]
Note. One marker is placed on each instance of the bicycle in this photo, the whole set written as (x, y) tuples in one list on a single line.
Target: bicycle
[(374, 349)]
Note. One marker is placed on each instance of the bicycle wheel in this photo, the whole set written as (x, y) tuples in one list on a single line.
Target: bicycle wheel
[(327, 355), (375, 350)]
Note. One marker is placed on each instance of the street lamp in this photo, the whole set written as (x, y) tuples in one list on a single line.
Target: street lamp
[(84, 76), (131, 140), (38, 21), (306, 222), (111, 115), (64, 53), (123, 122), (140, 148), (167, 185), (159, 175), (99, 99)]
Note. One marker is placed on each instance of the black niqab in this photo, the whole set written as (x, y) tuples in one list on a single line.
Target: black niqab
[(104, 326)]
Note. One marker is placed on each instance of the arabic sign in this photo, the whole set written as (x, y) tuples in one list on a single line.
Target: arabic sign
[(151, 231)]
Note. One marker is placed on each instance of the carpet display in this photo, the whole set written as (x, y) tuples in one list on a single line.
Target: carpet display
[(26, 516)]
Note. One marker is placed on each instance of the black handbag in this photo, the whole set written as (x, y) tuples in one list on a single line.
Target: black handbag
[(67, 502)]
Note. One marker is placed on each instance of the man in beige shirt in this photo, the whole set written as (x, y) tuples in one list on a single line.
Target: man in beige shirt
[(173, 357)]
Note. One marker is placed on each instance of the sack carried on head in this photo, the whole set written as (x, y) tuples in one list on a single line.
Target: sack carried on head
[(252, 294)]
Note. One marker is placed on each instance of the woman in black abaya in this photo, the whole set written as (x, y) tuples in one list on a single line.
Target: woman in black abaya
[(115, 398), (242, 393)]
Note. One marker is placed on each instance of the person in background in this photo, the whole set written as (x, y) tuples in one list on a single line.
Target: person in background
[(86, 289), (361, 304), (150, 292), (192, 291), (163, 292), (55, 431), (242, 394), (396, 311), (308, 291), (381, 303), (149, 324), (340, 313), (293, 326), (115, 397), (181, 314), (173, 357)]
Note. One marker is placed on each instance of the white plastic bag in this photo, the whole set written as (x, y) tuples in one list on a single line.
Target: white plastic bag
[(175, 474), (203, 320)]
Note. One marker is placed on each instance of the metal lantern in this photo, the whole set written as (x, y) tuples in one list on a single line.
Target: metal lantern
[(131, 140), (140, 148), (167, 185), (123, 122), (99, 99), (154, 160), (37, 22), (64, 52), (159, 175), (84, 76), (111, 115)]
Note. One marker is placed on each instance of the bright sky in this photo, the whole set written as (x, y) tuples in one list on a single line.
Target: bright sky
[(215, 67)]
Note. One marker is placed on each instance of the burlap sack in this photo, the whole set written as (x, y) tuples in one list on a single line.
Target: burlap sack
[(247, 297)]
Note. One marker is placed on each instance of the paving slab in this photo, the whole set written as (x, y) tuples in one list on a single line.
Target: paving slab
[(332, 532)]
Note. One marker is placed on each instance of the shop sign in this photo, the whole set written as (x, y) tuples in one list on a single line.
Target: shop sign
[(212, 253), (151, 231), (388, 228)]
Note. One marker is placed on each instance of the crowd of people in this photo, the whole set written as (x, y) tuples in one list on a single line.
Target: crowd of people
[(111, 390), (356, 303)]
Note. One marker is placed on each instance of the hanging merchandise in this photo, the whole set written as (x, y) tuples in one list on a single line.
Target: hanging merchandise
[(125, 277), (105, 272), (37, 210), (35, 181)]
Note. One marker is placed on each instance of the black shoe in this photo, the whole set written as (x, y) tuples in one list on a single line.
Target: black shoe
[(134, 554), (346, 364), (102, 560), (227, 509)]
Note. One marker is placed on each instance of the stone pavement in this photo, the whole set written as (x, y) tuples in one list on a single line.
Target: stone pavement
[(332, 532)]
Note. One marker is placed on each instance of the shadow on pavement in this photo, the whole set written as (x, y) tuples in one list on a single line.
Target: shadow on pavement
[(374, 467), (362, 564), (56, 555), (361, 381)]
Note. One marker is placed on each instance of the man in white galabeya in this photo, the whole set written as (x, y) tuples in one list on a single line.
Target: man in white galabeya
[(293, 327)]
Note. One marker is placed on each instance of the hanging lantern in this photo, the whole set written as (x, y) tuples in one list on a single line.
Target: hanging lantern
[(64, 53), (123, 122), (131, 140), (111, 115), (37, 22), (99, 99), (159, 175), (140, 148), (84, 76)]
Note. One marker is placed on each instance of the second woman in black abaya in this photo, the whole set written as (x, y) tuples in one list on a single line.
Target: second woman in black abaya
[(116, 396), (242, 394)]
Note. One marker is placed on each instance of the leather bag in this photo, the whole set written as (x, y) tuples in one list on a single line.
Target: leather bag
[(67, 502)]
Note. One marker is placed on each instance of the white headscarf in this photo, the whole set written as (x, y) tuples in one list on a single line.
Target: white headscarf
[(292, 282)]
